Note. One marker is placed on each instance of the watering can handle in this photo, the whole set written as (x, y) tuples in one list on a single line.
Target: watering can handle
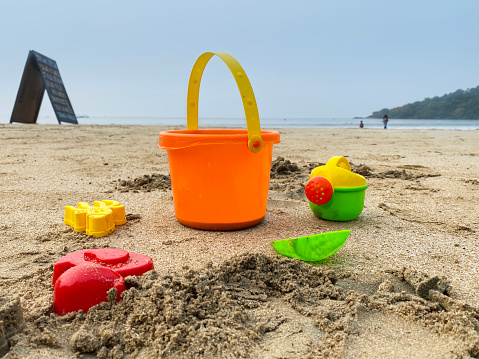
[(255, 141), (339, 161)]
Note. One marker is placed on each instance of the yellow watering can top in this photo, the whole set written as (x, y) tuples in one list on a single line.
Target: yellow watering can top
[(338, 171)]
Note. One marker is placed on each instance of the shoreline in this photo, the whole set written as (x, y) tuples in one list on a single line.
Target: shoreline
[(271, 123)]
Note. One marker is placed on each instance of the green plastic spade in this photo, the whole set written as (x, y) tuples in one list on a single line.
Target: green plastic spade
[(312, 248)]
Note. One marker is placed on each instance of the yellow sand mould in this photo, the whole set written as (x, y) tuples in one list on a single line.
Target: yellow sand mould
[(97, 220)]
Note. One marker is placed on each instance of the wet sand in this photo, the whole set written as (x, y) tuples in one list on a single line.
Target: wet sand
[(403, 286)]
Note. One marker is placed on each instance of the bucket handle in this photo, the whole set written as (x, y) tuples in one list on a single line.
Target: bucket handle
[(255, 142)]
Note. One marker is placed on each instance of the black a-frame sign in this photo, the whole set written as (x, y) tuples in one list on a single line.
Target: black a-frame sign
[(41, 73)]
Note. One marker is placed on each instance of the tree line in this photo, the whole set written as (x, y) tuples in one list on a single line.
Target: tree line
[(458, 105)]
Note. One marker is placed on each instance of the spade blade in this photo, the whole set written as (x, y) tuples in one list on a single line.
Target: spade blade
[(312, 248)]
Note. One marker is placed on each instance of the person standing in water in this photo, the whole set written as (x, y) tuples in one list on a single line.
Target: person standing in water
[(361, 125), (385, 121)]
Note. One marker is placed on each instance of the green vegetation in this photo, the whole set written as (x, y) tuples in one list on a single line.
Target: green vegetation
[(459, 105)]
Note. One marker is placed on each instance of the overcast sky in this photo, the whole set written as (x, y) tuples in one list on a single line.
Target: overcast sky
[(327, 59)]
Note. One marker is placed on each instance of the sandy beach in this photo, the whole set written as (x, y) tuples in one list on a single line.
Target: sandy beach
[(404, 285)]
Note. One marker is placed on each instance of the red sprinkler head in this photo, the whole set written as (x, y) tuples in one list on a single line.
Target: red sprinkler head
[(319, 190)]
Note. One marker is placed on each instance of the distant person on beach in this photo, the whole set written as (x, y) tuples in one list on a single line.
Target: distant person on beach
[(361, 124), (385, 121)]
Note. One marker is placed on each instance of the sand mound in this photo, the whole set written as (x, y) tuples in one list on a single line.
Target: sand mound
[(285, 177), (146, 183), (288, 179), (255, 305)]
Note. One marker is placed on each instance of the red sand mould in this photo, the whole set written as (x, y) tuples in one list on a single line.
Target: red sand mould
[(83, 278)]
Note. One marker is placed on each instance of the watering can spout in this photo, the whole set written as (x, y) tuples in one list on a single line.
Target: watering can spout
[(319, 190)]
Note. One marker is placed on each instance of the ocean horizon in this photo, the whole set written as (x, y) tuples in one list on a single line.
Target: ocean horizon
[(270, 122)]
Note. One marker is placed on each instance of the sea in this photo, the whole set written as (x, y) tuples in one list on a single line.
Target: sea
[(270, 122)]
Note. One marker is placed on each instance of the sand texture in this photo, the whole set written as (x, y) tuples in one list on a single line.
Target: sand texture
[(404, 285)]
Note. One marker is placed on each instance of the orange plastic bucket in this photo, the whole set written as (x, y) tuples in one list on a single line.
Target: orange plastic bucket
[(220, 177)]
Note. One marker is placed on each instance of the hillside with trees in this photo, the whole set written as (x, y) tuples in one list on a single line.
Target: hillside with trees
[(458, 105)]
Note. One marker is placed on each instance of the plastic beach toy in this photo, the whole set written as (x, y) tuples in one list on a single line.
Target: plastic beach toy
[(312, 248), (97, 220), (123, 262), (220, 177), (84, 286), (82, 279), (334, 192)]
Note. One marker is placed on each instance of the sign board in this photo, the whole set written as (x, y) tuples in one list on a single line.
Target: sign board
[(41, 73)]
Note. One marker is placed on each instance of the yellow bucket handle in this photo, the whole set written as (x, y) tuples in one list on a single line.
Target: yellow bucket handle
[(255, 142)]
